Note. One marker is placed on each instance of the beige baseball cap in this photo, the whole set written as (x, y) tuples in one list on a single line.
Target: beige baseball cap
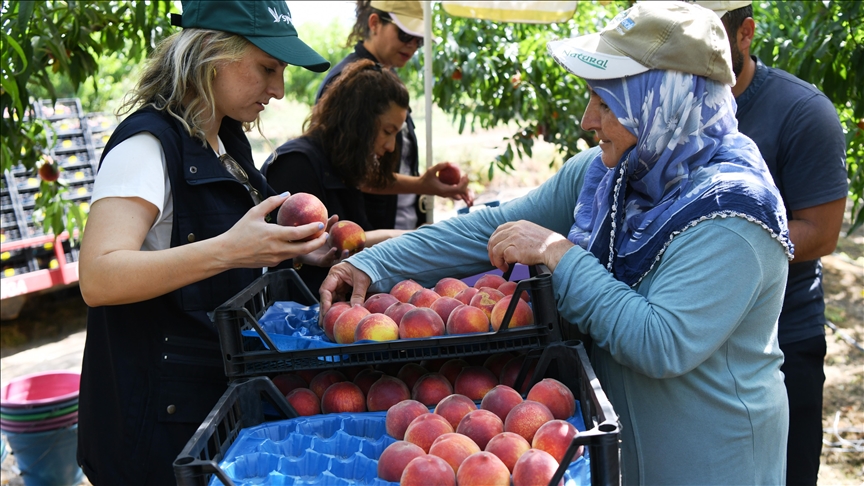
[(671, 35), (720, 7), (407, 15)]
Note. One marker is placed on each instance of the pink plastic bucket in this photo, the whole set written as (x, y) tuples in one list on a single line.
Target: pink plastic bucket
[(40, 389), (40, 425)]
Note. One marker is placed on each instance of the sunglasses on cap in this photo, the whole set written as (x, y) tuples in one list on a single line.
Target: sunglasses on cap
[(404, 37)]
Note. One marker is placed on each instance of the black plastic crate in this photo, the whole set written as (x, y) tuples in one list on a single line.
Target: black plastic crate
[(246, 404), (248, 356)]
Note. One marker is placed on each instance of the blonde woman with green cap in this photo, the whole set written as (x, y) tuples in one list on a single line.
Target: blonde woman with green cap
[(178, 225)]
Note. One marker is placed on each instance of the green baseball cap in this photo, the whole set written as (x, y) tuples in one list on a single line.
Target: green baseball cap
[(266, 24)]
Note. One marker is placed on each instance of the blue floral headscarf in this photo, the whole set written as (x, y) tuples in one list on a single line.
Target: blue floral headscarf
[(689, 164)]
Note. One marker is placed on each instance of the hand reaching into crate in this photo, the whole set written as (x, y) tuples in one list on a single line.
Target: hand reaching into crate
[(343, 278)]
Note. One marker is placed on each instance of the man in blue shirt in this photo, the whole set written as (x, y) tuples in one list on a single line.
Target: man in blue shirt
[(799, 135)]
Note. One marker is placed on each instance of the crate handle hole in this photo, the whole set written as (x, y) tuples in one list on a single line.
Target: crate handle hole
[(607, 428)]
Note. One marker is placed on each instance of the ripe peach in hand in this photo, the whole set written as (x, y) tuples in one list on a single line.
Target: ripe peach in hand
[(467, 319), (481, 425), (431, 388), (449, 287), (304, 401), (400, 416), (302, 208), (343, 397), (486, 299), (509, 447), (379, 303), (324, 379), (398, 310), (489, 280), (428, 470), (395, 457), (535, 467), (405, 289), (500, 400), (423, 298), (336, 310), (524, 419), (385, 393), (347, 235), (445, 306), (555, 437), (483, 469), (556, 396), (455, 407), (453, 448), (475, 382), (420, 323), (346, 324), (409, 373), (450, 175), (376, 327), (424, 429), (522, 315)]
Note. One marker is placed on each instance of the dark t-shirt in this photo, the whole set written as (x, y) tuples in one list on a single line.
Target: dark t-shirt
[(799, 134)]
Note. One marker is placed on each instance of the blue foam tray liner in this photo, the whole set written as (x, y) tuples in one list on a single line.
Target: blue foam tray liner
[(292, 327), (331, 449)]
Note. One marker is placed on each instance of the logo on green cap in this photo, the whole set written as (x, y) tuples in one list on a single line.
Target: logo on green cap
[(277, 17)]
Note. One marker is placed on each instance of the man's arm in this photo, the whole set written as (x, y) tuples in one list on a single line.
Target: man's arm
[(814, 231)]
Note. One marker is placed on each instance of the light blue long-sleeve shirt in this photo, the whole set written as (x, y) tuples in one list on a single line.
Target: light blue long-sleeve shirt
[(688, 357)]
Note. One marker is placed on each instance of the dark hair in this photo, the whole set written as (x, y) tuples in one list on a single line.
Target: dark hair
[(360, 31), (733, 19), (345, 122)]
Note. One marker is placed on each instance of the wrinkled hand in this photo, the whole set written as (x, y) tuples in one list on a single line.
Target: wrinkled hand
[(435, 187), (343, 278), (326, 256), (526, 243), (252, 242)]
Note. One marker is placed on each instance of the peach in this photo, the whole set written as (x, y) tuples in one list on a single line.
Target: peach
[(481, 425), (378, 303), (466, 295), (346, 324), (555, 437), (535, 467), (421, 322), (489, 280), (444, 306), (308, 375), (449, 287), (324, 379), (495, 362), (450, 175), (475, 382), (395, 457), (500, 400), (351, 372), (343, 397), (424, 429), (304, 401), (511, 372), (509, 288), (451, 369), (525, 418), (522, 315), (287, 382), (347, 235), (302, 208), (405, 289), (376, 327), (398, 310), (366, 378), (410, 373), (509, 447), (423, 298), (400, 416), (431, 388), (385, 393), (466, 320), (433, 364), (428, 470), (485, 300), (483, 469), (556, 396), (336, 310), (454, 408), (453, 448)]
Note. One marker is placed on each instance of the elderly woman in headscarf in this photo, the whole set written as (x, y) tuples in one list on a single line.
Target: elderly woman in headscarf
[(674, 259)]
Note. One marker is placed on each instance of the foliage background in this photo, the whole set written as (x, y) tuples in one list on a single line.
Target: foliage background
[(487, 75)]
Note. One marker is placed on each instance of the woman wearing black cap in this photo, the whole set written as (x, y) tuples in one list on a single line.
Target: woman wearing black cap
[(177, 226)]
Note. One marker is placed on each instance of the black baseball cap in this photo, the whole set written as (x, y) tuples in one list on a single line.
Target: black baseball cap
[(266, 24)]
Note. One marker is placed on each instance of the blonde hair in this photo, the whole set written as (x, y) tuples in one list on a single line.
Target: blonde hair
[(178, 77)]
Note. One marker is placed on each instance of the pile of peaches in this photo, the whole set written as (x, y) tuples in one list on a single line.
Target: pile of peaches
[(505, 437), (411, 311)]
